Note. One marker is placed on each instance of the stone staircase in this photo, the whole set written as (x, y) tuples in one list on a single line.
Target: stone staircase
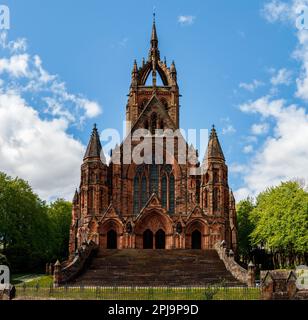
[(156, 268)]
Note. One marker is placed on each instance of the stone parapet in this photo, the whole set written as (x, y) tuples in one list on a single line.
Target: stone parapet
[(64, 273), (232, 266)]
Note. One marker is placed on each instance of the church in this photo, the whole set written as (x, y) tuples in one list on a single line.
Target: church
[(152, 205)]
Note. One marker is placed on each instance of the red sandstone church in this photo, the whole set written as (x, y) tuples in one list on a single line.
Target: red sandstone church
[(153, 206)]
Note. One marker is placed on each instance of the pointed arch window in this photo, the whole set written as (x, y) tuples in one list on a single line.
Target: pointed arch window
[(144, 195), (164, 191), (198, 184), (205, 199), (136, 195), (171, 194), (154, 178)]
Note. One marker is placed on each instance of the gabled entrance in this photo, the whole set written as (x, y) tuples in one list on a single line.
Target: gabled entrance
[(196, 240), (112, 239), (160, 239), (148, 239)]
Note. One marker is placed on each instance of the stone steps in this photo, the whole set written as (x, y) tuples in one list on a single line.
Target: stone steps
[(156, 268)]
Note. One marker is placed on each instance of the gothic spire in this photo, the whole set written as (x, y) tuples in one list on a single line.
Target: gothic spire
[(154, 38), (154, 52), (214, 150), (94, 147), (134, 74)]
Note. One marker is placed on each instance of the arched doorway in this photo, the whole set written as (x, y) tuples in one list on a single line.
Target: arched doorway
[(196, 240), (112, 239), (160, 239), (148, 239)]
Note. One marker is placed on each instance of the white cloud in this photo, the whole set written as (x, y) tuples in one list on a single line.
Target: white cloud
[(276, 10), (32, 146), (251, 139), (92, 108), (280, 11), (186, 20), (283, 76), (284, 155), (18, 45), (248, 149), (260, 128), (302, 55), (15, 66), (228, 129), (251, 86), (36, 150), (40, 83), (241, 194), (237, 168)]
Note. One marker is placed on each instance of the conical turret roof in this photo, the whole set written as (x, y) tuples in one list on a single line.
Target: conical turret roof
[(94, 147), (214, 150)]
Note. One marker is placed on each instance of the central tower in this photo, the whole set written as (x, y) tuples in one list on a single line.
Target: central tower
[(145, 92)]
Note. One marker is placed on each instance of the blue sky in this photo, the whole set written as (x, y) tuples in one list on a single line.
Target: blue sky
[(235, 59)]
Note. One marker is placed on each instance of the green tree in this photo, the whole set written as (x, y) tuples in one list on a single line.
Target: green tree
[(245, 227), (24, 228), (60, 213), (281, 223)]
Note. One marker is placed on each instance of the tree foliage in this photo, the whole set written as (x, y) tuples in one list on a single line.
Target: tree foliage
[(281, 222), (245, 227), (60, 213), (31, 232)]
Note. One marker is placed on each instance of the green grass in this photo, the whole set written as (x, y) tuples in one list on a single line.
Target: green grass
[(42, 289), (28, 278)]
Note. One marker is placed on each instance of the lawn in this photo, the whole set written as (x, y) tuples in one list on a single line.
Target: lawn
[(41, 288)]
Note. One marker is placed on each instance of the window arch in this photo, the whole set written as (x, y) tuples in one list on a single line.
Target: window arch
[(153, 178), (144, 197), (164, 191), (171, 194), (136, 195), (205, 199)]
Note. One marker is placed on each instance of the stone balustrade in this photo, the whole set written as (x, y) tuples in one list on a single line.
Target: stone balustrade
[(238, 272), (64, 273)]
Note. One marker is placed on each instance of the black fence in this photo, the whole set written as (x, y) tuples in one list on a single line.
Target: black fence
[(37, 292)]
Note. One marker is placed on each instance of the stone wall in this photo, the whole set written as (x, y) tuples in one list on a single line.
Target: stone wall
[(278, 285), (232, 266), (64, 274)]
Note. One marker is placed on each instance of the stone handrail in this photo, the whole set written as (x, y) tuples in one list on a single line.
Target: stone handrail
[(232, 266), (68, 272)]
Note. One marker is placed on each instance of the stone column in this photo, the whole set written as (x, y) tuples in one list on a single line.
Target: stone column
[(57, 276), (251, 276)]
